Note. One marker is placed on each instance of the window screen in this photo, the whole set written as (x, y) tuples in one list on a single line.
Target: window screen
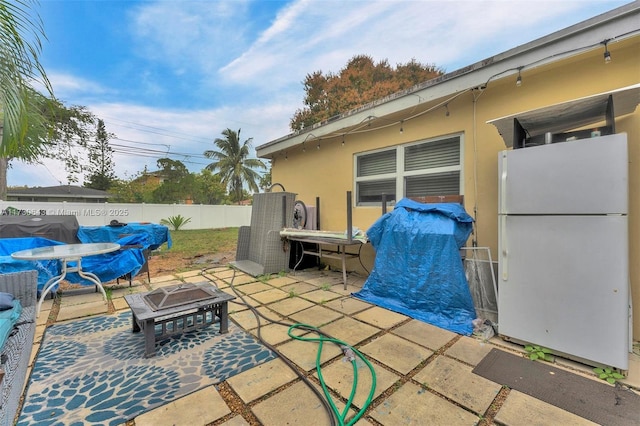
[(430, 167)]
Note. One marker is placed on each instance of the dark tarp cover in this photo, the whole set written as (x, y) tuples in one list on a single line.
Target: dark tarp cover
[(63, 228), (418, 270)]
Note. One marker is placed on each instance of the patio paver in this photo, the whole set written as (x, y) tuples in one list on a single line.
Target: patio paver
[(455, 380), (316, 316), (469, 350), (412, 405), (339, 376), (381, 317), (425, 334), (304, 353), (289, 306), (320, 296), (521, 409), (349, 330), (348, 305), (262, 379), (198, 408), (296, 405), (396, 352), (268, 296)]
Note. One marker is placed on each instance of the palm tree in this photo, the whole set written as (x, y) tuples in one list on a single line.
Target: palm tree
[(20, 47), (235, 169)]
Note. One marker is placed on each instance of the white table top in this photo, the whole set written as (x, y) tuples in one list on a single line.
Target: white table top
[(65, 251)]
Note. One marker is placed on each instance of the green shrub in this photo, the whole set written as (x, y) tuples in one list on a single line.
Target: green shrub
[(176, 222)]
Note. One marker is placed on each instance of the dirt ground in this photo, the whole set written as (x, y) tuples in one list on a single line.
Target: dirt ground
[(168, 263)]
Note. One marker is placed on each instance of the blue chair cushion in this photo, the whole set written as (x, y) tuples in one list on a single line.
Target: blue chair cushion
[(8, 319)]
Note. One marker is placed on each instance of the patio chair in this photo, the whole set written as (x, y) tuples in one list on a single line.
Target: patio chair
[(260, 248)]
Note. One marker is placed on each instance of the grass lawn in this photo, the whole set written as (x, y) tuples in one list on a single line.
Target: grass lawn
[(189, 247)]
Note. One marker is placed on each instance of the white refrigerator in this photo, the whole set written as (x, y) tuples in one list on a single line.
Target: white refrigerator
[(563, 248)]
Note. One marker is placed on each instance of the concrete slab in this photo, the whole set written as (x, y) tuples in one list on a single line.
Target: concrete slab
[(289, 306), (338, 376), (380, 317), (269, 296), (396, 352), (251, 288), (259, 381), (413, 405), (347, 305), (316, 316), (425, 334), (304, 354), (166, 283), (163, 278), (225, 273), (296, 405), (469, 350), (189, 274), (350, 331), (198, 408), (455, 380), (194, 279), (327, 279), (339, 288), (119, 304), (240, 279), (80, 296), (281, 281), (519, 409), (298, 288), (247, 319), (235, 421), (272, 333), (320, 296), (80, 311), (633, 375)]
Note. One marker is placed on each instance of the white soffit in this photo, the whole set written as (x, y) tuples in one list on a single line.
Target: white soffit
[(569, 115)]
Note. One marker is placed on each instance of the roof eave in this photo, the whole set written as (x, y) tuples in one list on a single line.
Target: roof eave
[(614, 25)]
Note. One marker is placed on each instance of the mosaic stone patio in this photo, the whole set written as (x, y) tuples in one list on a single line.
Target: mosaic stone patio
[(93, 371)]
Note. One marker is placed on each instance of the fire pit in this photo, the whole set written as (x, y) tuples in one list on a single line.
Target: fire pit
[(177, 309), (182, 294)]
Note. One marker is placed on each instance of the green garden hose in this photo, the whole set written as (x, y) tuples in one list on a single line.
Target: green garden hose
[(351, 354)]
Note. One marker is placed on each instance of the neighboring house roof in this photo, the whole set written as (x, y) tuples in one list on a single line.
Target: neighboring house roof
[(615, 25), (62, 191)]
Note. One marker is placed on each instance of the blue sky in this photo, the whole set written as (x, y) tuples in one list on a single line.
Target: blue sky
[(170, 76)]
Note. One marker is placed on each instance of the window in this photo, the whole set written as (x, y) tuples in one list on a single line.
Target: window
[(431, 167)]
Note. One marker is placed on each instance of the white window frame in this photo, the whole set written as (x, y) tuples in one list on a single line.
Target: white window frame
[(400, 174)]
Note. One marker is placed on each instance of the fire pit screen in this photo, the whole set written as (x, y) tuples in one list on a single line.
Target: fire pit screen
[(164, 298)]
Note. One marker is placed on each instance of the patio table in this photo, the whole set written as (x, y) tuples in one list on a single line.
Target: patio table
[(67, 253)]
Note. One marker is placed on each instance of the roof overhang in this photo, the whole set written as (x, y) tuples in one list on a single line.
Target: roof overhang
[(569, 115), (614, 25)]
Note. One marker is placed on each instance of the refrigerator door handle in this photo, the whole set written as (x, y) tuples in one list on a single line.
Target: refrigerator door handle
[(504, 253), (502, 216), (503, 184)]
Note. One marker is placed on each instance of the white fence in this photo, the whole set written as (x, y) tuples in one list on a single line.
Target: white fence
[(98, 214)]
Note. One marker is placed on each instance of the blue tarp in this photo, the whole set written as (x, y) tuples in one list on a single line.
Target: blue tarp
[(46, 269), (110, 266), (107, 267), (418, 270)]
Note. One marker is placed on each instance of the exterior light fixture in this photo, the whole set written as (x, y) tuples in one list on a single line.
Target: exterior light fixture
[(446, 109), (342, 140), (607, 54), (519, 79), (401, 129)]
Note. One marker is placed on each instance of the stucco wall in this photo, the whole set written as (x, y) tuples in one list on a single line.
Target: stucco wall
[(328, 172)]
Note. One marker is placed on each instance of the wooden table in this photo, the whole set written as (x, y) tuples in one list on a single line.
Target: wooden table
[(209, 309)]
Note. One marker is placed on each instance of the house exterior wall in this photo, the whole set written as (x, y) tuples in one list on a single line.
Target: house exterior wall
[(328, 172)]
